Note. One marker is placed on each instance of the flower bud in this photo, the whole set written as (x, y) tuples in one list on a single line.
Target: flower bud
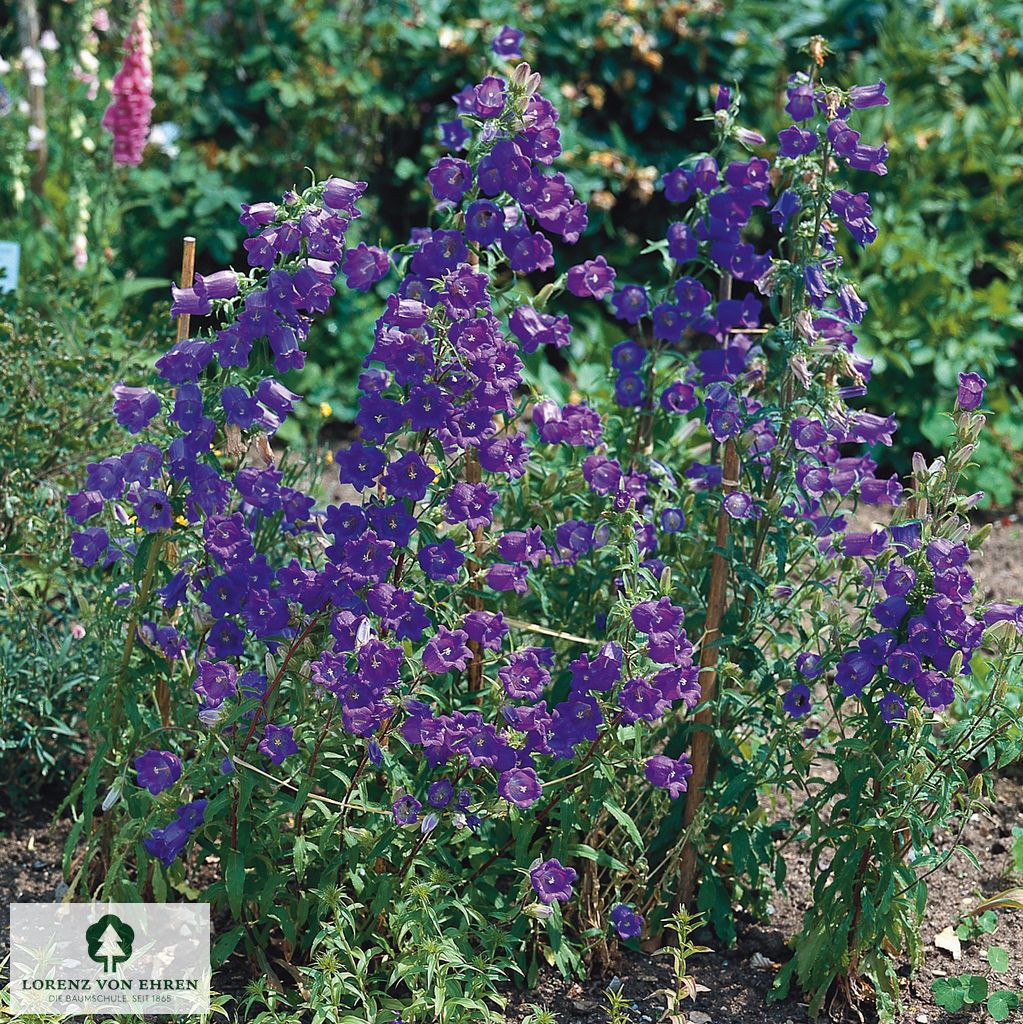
[(111, 798), (959, 458), (521, 74), (666, 580), (977, 788), (538, 911), (914, 718)]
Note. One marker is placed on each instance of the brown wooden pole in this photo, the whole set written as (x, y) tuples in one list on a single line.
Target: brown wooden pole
[(184, 323), (710, 652)]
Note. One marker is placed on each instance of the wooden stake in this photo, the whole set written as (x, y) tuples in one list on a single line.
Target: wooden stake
[(187, 279), (473, 475), (700, 750), (184, 322)]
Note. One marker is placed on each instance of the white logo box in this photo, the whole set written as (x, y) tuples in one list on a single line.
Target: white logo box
[(113, 958)]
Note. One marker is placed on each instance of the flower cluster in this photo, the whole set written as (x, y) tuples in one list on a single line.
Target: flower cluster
[(127, 117), (923, 634), (370, 588)]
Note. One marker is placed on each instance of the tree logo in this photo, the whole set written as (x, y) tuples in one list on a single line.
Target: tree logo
[(110, 941)]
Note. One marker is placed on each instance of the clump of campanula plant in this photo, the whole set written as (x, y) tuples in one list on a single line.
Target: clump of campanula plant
[(337, 701), (736, 379), (525, 682)]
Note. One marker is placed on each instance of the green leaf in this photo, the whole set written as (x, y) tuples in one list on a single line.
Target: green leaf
[(976, 988), (998, 958), (1002, 1004), (949, 993)]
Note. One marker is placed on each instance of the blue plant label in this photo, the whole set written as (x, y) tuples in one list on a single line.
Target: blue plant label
[(10, 259)]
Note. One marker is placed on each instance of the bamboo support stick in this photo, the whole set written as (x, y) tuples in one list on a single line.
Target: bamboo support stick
[(473, 475), (710, 651), (187, 279)]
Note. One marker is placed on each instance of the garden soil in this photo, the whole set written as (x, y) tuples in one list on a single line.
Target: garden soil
[(734, 983)]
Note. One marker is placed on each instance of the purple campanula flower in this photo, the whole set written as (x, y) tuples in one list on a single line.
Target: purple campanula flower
[(808, 664), (864, 545), (903, 666), (796, 701), (705, 174), (446, 651), (441, 561), (788, 204), (107, 477), (799, 105), (508, 43), (639, 699), (183, 363), (278, 742), (89, 545), (683, 245), (528, 252), (488, 98), (630, 389), (454, 134), (862, 96), (189, 302), (691, 296), (679, 398), (440, 793), (134, 408), (405, 810), (678, 185), (341, 194), (215, 682), (816, 286), (971, 391), (168, 843), (795, 142), (739, 505), (157, 770), (900, 581), (472, 504), (364, 265), (937, 690), (359, 465), (630, 303), (408, 477), (519, 786), (450, 178), (669, 774), (672, 520), (593, 279), (892, 708), (551, 880), (221, 285), (627, 923), (484, 222), (153, 511)]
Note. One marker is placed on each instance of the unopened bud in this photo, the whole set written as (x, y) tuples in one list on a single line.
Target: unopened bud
[(956, 664), (521, 75), (538, 911), (666, 580), (961, 456), (111, 798), (915, 719), (977, 788)]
